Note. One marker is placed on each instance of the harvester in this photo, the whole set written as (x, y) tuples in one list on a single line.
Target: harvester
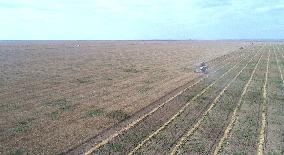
[(202, 68)]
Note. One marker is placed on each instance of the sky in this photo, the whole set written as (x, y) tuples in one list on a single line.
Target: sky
[(141, 19)]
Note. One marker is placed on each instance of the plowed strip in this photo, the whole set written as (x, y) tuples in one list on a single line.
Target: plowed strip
[(191, 131)]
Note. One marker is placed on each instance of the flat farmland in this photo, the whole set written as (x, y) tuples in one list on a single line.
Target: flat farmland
[(235, 109), (141, 97), (69, 96)]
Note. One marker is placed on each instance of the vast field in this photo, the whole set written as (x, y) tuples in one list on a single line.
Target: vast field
[(141, 97)]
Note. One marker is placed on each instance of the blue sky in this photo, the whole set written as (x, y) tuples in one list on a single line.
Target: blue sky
[(141, 19)]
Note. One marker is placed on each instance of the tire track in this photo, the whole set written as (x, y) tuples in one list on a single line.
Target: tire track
[(179, 112), (281, 75), (182, 140), (263, 113), (234, 117)]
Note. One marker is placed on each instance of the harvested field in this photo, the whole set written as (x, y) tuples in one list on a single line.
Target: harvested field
[(56, 96), (142, 97), (236, 109)]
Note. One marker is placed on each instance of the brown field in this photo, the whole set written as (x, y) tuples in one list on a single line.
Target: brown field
[(141, 97)]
